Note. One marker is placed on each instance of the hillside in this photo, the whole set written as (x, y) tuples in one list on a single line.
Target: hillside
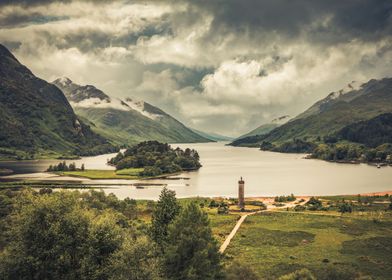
[(330, 115), (213, 136), (126, 121), (372, 133), (267, 127), (36, 119)]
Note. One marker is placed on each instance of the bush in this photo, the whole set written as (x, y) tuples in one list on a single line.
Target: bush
[(314, 204), (345, 208), (284, 198), (240, 271), (299, 208), (223, 209), (213, 204), (303, 274)]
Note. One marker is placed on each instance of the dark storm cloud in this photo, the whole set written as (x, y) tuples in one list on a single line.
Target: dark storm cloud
[(31, 3), (16, 20), (349, 19)]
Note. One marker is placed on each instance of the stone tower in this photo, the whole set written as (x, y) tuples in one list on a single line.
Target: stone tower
[(241, 197)]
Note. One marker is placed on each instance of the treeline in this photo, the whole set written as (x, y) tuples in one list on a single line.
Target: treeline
[(330, 149), (73, 235), (293, 146), (62, 166), (353, 152), (361, 204), (156, 158), (372, 133), (285, 198)]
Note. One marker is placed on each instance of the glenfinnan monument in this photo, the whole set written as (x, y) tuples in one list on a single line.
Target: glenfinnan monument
[(241, 197)]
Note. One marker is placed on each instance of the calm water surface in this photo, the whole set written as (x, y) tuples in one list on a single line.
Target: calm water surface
[(265, 174)]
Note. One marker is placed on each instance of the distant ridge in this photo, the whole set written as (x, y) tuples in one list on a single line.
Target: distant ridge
[(267, 127), (353, 104), (213, 136), (125, 121)]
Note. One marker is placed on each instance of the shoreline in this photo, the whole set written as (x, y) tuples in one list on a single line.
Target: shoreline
[(271, 198)]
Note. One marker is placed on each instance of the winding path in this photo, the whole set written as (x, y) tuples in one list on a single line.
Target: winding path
[(234, 231), (242, 219)]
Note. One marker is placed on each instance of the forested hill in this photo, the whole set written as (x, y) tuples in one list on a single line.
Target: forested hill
[(354, 115), (370, 100), (372, 133), (37, 120), (125, 121)]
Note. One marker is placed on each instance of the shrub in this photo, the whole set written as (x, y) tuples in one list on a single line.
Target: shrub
[(303, 274), (240, 271), (299, 208)]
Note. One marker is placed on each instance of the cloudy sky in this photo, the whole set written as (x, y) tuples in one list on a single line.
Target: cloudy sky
[(222, 66)]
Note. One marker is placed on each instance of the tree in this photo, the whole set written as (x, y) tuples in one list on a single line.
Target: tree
[(54, 237), (50, 237), (82, 167), (345, 208), (136, 260), (166, 209), (191, 251), (314, 204)]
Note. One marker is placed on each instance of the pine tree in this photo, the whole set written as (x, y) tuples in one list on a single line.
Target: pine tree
[(191, 251), (166, 210)]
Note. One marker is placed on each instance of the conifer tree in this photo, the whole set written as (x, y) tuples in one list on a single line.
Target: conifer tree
[(165, 211), (191, 251)]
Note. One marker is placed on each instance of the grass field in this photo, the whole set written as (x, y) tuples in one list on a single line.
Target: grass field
[(130, 173), (221, 224), (275, 244)]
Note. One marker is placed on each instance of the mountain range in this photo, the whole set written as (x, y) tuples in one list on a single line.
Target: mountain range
[(37, 120), (267, 127), (124, 121), (332, 119)]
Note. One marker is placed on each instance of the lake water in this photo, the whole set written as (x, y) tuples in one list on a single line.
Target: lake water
[(265, 174)]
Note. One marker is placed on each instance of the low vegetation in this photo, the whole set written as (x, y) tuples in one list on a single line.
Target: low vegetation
[(283, 198), (129, 173)]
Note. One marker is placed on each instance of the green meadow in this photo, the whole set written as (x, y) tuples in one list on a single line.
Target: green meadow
[(331, 247), (129, 173)]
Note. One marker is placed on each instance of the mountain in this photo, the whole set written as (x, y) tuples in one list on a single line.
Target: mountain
[(372, 133), (213, 136), (326, 117), (36, 119), (267, 127), (125, 121), (348, 93)]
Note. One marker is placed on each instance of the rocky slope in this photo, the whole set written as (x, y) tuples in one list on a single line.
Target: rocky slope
[(36, 119), (125, 121)]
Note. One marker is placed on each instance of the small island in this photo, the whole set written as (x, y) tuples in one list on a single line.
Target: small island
[(156, 159), (149, 159)]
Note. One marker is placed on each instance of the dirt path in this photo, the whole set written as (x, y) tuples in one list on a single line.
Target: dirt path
[(271, 208), (234, 231)]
